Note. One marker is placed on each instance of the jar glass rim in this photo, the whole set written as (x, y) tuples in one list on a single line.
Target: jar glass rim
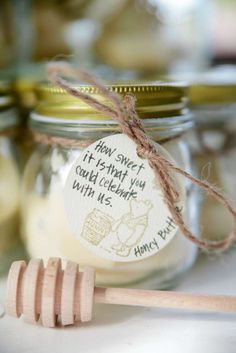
[(82, 129), (219, 113)]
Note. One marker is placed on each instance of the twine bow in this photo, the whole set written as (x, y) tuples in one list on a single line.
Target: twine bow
[(125, 114)]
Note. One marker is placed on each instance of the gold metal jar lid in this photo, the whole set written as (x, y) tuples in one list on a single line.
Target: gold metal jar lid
[(154, 100), (217, 86)]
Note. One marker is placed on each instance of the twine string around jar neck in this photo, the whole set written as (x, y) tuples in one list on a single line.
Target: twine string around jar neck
[(50, 140), (68, 142), (124, 112)]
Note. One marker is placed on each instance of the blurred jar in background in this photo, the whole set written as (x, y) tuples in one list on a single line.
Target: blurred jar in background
[(9, 179), (213, 102), (147, 36), (222, 31), (155, 36)]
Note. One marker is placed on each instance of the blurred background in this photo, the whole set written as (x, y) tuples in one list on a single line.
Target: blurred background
[(121, 39), (138, 38)]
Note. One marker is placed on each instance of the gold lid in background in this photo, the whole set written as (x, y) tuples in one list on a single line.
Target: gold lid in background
[(212, 94), (155, 99), (25, 92), (216, 86)]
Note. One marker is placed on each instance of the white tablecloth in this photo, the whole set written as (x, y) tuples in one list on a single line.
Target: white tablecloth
[(124, 330)]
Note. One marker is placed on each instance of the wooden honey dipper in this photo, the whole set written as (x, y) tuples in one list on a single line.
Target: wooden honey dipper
[(51, 292)]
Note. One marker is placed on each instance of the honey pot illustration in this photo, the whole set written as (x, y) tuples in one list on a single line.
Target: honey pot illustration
[(124, 233)]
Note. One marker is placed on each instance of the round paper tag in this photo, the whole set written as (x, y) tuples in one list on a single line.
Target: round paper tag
[(114, 204)]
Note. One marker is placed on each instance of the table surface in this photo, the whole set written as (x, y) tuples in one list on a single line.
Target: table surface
[(126, 329)]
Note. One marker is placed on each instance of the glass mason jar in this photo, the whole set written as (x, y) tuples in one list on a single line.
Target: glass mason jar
[(59, 119), (213, 144), (9, 180)]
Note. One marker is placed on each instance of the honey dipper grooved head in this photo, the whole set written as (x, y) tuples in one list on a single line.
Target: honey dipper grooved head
[(50, 293)]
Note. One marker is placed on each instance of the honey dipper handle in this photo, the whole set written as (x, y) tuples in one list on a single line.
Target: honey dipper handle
[(164, 299)]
